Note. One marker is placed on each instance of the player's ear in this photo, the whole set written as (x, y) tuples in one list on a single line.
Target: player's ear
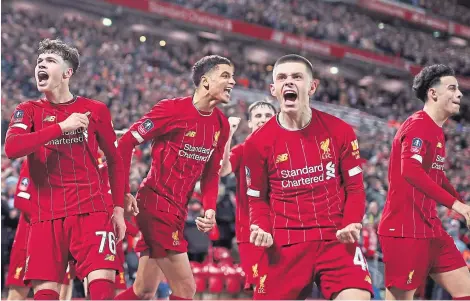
[(250, 124), (432, 94), (205, 82), (272, 89), (313, 86), (68, 73)]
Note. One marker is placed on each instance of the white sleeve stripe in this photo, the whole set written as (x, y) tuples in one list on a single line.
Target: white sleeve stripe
[(19, 125), (253, 193), (418, 158), (24, 195), (109, 191), (354, 171), (137, 136), (115, 143)]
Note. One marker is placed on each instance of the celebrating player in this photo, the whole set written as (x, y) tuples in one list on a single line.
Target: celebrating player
[(60, 134), (25, 192), (250, 256), (188, 137), (308, 161), (413, 240)]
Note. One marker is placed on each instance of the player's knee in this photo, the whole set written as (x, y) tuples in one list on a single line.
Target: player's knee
[(184, 289), (394, 293), (144, 290), (352, 294)]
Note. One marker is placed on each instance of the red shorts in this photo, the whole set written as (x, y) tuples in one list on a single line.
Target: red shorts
[(252, 260), (292, 269), (18, 255), (87, 238), (70, 273), (160, 233), (408, 261)]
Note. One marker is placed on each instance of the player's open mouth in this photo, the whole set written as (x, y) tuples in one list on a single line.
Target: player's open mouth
[(290, 97), (227, 91), (42, 78)]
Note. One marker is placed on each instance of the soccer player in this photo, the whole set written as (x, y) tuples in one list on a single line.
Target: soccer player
[(250, 256), (188, 137), (306, 195), (60, 134), (25, 192), (412, 237)]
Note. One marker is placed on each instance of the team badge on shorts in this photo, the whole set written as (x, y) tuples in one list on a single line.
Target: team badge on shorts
[(262, 287), (176, 239)]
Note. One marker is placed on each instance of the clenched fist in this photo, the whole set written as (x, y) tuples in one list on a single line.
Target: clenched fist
[(349, 234), (260, 238), (206, 223), (234, 122), (75, 121)]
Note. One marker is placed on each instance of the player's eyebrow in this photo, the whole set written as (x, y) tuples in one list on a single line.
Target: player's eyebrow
[(452, 86), (225, 73)]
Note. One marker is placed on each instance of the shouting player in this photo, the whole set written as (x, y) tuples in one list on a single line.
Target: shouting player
[(306, 194), (413, 240), (250, 256), (25, 193), (188, 137), (60, 135)]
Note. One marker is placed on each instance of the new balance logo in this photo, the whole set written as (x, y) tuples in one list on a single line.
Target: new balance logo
[(281, 158), (191, 134), (49, 118), (330, 170)]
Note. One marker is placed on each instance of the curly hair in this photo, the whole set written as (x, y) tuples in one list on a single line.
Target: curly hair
[(205, 65), (68, 53), (428, 78)]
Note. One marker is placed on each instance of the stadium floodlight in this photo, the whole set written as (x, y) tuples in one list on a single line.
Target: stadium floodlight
[(334, 70), (107, 22), (143, 39), (162, 43)]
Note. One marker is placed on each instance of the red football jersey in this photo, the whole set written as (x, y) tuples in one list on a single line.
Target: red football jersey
[(311, 179), (417, 180), (25, 191), (242, 217), (187, 144), (62, 166)]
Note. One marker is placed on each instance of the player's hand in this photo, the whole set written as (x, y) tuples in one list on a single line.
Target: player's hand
[(349, 234), (75, 121), (462, 209), (206, 223), (118, 223), (260, 238), (130, 204), (234, 122)]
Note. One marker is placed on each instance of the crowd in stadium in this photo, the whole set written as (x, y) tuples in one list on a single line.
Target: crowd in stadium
[(344, 25), (130, 76)]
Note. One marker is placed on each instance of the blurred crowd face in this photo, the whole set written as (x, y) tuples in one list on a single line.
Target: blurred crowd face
[(220, 82), (446, 95), (259, 116), (51, 72), (293, 86)]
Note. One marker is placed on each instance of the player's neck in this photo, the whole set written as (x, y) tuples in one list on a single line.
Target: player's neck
[(60, 94), (204, 102), (438, 116), (295, 120)]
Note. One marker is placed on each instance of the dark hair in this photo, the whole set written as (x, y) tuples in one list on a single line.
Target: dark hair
[(68, 53), (258, 104), (205, 65), (296, 58), (428, 78)]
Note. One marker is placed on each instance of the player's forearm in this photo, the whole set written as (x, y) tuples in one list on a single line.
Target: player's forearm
[(19, 145), (226, 167), (354, 207), (117, 180), (450, 189), (260, 213), (210, 190), (125, 148), (414, 174)]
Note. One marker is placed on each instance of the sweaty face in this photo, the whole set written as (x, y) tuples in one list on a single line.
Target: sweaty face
[(448, 95), (51, 70), (220, 82), (259, 116), (293, 86)]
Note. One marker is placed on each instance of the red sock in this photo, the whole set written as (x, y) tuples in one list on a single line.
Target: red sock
[(173, 297), (461, 298), (101, 289), (128, 294), (46, 295)]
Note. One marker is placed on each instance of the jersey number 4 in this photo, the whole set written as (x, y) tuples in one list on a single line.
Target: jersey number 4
[(109, 236), (360, 260)]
